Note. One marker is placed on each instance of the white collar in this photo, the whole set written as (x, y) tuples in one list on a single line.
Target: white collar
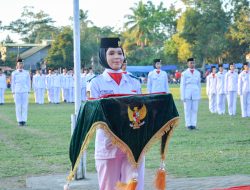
[(113, 71)]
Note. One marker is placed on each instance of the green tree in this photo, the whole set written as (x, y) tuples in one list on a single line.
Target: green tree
[(205, 27), (148, 26), (239, 31), (61, 51), (33, 27)]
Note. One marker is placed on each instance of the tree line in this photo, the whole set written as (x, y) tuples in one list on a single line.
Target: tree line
[(215, 31)]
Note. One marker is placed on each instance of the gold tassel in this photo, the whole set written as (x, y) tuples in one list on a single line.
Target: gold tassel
[(160, 179), (124, 186)]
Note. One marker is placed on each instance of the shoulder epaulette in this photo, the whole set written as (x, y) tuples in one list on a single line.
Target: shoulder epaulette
[(92, 78), (135, 77)]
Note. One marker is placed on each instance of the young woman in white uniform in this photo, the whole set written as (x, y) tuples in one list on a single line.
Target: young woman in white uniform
[(111, 163)]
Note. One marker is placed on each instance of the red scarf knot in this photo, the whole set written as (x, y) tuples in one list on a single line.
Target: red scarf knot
[(117, 77), (158, 72), (192, 71)]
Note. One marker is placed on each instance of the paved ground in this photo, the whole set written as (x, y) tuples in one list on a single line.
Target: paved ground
[(56, 182)]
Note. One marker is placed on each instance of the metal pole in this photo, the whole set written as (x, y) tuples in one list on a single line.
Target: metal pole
[(81, 173)]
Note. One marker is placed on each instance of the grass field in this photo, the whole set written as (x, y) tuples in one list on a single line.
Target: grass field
[(221, 146)]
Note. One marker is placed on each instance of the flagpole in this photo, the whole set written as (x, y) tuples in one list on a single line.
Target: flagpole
[(81, 173)]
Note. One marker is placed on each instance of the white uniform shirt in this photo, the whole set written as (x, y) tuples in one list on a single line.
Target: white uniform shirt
[(89, 76), (190, 85), (231, 81), (99, 86), (220, 85), (65, 81), (157, 82), (83, 80), (3, 83), (243, 82), (49, 81), (20, 81), (56, 80), (71, 80), (211, 84), (38, 81)]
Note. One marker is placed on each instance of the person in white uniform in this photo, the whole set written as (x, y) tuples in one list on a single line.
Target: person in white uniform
[(157, 79), (89, 76), (84, 84), (71, 86), (3, 86), (220, 89), (231, 88), (190, 90), (38, 84), (211, 91), (244, 90), (56, 86), (20, 87), (113, 81), (65, 85), (124, 67), (49, 86)]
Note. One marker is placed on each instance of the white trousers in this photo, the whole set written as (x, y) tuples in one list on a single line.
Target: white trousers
[(190, 111), (39, 95), (212, 103), (56, 95), (2, 95), (83, 94), (231, 102), (221, 103), (71, 94), (110, 171), (245, 104), (50, 94), (65, 94), (21, 101)]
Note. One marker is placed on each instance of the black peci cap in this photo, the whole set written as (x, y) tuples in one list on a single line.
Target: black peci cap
[(157, 60), (109, 42), (19, 60), (190, 59)]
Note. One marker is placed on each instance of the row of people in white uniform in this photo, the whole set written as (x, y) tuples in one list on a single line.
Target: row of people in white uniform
[(55, 83), (226, 85)]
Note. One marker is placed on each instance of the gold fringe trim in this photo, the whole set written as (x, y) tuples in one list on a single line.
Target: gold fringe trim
[(168, 127), (121, 145)]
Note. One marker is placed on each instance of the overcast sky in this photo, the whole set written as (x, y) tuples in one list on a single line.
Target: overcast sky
[(100, 12)]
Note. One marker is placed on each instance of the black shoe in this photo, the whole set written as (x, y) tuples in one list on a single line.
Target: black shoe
[(194, 128), (20, 124), (24, 123), (189, 127)]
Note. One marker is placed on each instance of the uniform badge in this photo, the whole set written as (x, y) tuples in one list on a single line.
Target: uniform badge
[(136, 116)]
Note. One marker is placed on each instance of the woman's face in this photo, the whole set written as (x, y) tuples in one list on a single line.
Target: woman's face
[(115, 58)]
